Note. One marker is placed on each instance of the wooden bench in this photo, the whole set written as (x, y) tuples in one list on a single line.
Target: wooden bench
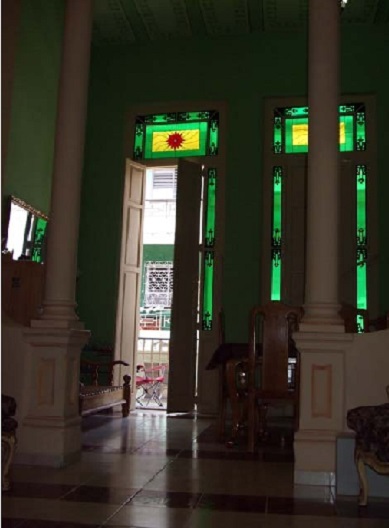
[(95, 397)]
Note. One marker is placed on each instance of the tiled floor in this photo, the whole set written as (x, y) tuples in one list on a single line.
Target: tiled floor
[(153, 471)]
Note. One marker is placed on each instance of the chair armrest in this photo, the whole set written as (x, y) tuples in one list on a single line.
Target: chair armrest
[(93, 367)]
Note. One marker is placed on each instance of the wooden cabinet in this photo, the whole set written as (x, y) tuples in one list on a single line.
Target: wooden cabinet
[(22, 283)]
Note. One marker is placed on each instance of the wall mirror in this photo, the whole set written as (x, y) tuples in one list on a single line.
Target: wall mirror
[(24, 230)]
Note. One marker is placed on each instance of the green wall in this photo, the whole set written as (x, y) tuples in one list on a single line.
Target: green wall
[(29, 161), (241, 72)]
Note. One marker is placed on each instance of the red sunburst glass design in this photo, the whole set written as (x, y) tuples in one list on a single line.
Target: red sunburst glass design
[(175, 140)]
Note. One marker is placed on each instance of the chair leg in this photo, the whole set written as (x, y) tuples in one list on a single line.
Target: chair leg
[(363, 486), (262, 415), (8, 446)]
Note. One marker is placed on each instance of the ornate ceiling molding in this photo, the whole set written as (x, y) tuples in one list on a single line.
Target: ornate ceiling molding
[(229, 17), (110, 23), (130, 21), (164, 19)]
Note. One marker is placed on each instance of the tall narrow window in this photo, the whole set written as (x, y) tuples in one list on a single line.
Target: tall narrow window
[(275, 294), (361, 177), (209, 250)]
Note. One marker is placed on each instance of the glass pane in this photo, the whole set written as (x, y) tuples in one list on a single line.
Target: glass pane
[(346, 133), (361, 129), (181, 139), (275, 291), (277, 147), (214, 137), (39, 237), (296, 135), (211, 209), (361, 174), (208, 290)]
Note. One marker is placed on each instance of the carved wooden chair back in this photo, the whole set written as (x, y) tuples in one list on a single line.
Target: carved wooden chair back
[(277, 322)]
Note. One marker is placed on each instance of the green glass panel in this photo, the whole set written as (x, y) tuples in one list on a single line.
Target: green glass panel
[(361, 130), (158, 118), (208, 290), (39, 237), (346, 133), (346, 109), (275, 289), (277, 136), (211, 209), (361, 237), (138, 143), (180, 128), (193, 116), (296, 111), (213, 137), (360, 324)]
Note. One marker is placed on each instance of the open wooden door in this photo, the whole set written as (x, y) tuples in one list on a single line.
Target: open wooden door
[(127, 318), (183, 338)]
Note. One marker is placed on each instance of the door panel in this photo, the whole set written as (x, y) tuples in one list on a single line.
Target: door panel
[(127, 319), (182, 350), (294, 247)]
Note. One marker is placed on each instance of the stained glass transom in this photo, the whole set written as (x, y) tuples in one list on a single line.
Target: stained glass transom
[(290, 129), (176, 134)]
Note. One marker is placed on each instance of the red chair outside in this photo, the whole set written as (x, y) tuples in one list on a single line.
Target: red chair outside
[(149, 384)]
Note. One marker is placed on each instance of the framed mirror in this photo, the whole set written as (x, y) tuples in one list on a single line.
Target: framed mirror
[(24, 230)]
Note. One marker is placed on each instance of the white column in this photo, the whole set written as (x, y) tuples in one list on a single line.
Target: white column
[(321, 289), (61, 261), (321, 340), (50, 432)]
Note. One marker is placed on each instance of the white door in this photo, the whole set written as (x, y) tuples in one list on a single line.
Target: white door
[(127, 318), (183, 338)]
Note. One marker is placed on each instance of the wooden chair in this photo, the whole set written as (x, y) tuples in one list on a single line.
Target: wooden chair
[(273, 388)]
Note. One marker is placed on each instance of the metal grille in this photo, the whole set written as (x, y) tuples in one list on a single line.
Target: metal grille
[(159, 283)]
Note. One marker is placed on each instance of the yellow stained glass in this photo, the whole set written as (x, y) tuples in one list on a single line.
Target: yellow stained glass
[(300, 134), (176, 140), (342, 133)]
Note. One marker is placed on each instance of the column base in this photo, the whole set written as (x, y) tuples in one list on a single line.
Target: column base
[(50, 431), (315, 457), (322, 317), (56, 444)]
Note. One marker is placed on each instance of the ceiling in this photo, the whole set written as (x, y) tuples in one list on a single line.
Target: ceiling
[(142, 21)]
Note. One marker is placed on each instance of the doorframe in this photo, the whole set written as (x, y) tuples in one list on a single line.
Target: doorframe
[(207, 380), (368, 157)]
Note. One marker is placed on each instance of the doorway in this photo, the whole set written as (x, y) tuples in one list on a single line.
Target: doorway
[(161, 326), (152, 354)]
